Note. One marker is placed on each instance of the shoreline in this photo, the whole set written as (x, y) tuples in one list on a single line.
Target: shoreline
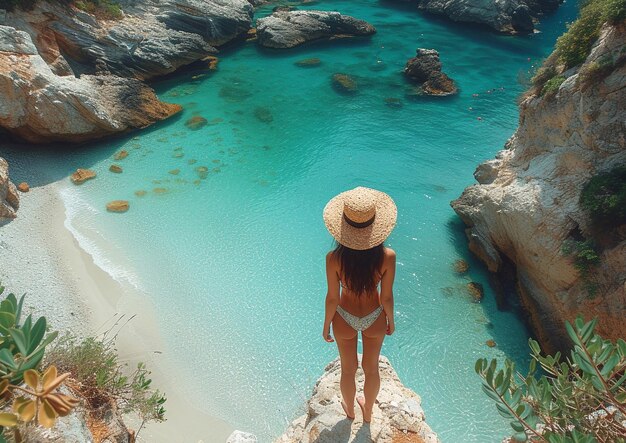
[(77, 297)]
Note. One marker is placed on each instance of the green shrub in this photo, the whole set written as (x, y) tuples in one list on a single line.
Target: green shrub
[(586, 258), (103, 9), (101, 377), (579, 399), (574, 46), (604, 198), (552, 86)]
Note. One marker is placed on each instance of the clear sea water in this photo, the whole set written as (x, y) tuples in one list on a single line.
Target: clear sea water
[(234, 262)]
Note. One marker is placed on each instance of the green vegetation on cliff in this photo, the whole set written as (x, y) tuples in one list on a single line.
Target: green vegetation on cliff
[(104, 9), (604, 198), (576, 399), (573, 47)]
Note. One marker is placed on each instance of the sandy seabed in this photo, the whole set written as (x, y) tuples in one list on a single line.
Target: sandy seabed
[(40, 257)]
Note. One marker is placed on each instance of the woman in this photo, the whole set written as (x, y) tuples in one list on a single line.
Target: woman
[(360, 220)]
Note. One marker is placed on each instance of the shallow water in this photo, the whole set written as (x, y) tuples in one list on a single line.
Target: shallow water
[(228, 240)]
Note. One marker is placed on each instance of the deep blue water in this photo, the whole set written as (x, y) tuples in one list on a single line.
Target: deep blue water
[(234, 262)]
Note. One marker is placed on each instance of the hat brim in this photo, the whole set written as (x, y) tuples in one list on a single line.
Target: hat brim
[(361, 238)]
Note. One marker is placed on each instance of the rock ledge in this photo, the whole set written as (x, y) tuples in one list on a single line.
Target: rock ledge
[(398, 415)]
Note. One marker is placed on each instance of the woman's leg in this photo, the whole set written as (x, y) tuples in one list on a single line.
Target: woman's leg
[(346, 339), (372, 342)]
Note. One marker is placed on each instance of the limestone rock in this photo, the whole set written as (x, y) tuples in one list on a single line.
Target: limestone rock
[(241, 437), (425, 69), (82, 175), (39, 106), (65, 76), (397, 416), (9, 199), (153, 38), (527, 203), (286, 29), (23, 187), (507, 16), (118, 206)]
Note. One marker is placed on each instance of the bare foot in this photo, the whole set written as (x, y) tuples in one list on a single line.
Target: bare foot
[(366, 417), (345, 409)]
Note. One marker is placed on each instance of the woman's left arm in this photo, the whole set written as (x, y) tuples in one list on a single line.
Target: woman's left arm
[(332, 296)]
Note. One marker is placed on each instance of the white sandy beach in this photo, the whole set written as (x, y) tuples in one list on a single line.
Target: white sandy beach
[(39, 256)]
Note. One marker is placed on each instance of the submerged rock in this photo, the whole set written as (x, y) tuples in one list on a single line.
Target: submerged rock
[(286, 29), (309, 62), (397, 416), (9, 199), (117, 169), (263, 114), (425, 69), (82, 175), (461, 266), (121, 155), (491, 343), (23, 187), (118, 206), (393, 102), (476, 291), (196, 122), (345, 84)]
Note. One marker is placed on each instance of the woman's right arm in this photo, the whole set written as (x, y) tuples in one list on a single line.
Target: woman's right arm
[(332, 296), (386, 289)]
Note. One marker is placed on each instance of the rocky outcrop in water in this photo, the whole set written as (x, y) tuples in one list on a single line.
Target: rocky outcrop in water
[(425, 69), (508, 16), (397, 417), (9, 200), (286, 29), (66, 76), (152, 39), (38, 105), (526, 206)]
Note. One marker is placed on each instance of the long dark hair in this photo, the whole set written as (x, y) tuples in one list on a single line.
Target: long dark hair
[(360, 269)]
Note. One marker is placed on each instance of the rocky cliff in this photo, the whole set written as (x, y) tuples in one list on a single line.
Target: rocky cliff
[(398, 415), (9, 200), (67, 76), (526, 207), (507, 16)]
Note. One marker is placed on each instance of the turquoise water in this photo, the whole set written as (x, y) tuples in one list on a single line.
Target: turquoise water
[(234, 262)]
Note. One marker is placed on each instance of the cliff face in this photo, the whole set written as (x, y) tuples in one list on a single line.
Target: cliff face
[(9, 200), (67, 76), (398, 416), (526, 205)]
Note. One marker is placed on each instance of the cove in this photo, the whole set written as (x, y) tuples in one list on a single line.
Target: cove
[(228, 243)]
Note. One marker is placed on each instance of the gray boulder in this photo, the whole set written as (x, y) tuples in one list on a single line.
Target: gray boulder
[(286, 29)]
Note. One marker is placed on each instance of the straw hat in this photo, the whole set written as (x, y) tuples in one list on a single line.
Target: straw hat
[(360, 218)]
